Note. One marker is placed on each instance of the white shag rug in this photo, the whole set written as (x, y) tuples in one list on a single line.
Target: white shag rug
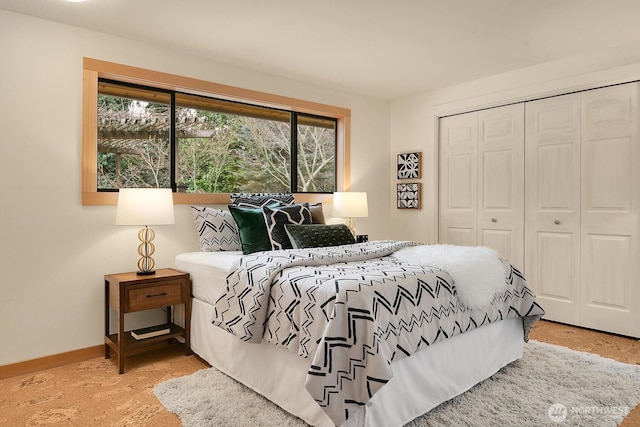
[(549, 386)]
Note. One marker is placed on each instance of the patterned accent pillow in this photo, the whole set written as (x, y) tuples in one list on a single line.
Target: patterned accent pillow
[(317, 214), (252, 228), (318, 235), (217, 230), (276, 218), (257, 200)]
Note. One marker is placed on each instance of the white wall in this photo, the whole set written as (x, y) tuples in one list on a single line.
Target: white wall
[(414, 119), (54, 252)]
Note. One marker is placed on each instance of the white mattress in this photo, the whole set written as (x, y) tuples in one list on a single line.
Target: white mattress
[(420, 382), (208, 272)]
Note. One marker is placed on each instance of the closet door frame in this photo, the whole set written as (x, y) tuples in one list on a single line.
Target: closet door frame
[(585, 305)]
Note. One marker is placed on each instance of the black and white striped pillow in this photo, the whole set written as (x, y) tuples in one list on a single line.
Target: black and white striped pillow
[(217, 230), (257, 200)]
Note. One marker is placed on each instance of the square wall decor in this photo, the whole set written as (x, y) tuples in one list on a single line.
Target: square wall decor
[(410, 165), (409, 196)]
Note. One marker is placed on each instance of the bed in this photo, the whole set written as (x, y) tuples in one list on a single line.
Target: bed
[(295, 326)]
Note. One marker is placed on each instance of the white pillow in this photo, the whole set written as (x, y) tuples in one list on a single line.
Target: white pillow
[(217, 230)]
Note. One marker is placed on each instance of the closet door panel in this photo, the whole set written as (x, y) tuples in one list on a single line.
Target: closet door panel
[(462, 183), (458, 179), (552, 218), (460, 236), (611, 209), (607, 281), (608, 163), (556, 252), (501, 242), (501, 181), (557, 170)]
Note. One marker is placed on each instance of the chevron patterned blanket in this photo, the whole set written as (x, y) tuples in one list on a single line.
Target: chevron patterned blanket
[(352, 310)]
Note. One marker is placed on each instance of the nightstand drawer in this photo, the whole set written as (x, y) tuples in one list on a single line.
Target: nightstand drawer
[(146, 297)]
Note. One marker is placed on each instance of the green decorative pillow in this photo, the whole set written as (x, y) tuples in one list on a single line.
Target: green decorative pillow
[(277, 218), (317, 235), (252, 229)]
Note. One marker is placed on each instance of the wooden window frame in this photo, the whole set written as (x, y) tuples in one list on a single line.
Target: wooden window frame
[(93, 69)]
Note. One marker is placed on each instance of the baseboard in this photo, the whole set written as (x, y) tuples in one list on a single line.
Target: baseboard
[(53, 361)]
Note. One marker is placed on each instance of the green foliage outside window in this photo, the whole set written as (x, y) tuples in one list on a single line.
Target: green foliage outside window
[(216, 151)]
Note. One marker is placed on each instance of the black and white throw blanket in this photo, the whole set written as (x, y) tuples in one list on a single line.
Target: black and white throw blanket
[(354, 309)]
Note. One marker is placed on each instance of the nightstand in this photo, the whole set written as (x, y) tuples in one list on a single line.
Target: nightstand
[(129, 292)]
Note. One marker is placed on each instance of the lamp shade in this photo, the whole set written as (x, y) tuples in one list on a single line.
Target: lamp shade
[(145, 206), (350, 204)]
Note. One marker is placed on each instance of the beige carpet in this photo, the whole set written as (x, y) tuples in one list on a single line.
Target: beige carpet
[(91, 393), (519, 395)]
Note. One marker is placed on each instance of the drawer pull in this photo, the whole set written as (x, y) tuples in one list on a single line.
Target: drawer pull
[(556, 222), (494, 220), (157, 295)]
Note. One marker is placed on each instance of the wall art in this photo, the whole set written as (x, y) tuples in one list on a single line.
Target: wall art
[(410, 165), (409, 196)]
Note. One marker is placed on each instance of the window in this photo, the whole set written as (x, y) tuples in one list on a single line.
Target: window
[(134, 138), (204, 140), (226, 146)]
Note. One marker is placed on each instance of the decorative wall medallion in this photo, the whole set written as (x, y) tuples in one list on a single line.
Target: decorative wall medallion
[(409, 196), (409, 166)]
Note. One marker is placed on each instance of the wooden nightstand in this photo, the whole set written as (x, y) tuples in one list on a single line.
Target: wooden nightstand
[(129, 292)]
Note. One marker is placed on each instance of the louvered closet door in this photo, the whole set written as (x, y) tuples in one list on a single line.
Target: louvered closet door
[(552, 188), (458, 179), (501, 181), (611, 209)]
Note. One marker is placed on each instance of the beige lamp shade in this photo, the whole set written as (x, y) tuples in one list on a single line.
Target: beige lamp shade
[(145, 206), (350, 204)]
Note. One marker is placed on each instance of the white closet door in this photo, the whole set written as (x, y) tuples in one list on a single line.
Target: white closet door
[(501, 181), (611, 209), (552, 188), (458, 179), (482, 180)]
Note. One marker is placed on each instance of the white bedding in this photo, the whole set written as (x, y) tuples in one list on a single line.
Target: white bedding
[(477, 271), (419, 383), (208, 272)]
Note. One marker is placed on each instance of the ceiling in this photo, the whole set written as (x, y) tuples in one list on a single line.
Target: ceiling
[(380, 48)]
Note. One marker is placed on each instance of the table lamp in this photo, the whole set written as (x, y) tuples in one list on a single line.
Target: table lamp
[(145, 206), (350, 205)]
